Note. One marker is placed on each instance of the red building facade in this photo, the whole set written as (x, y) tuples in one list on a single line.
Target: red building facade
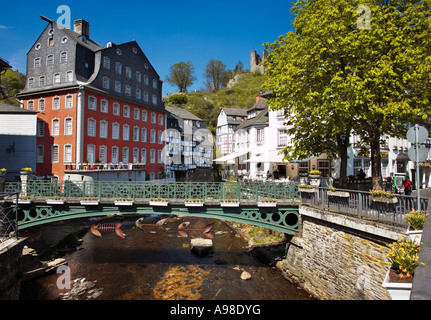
[(99, 106)]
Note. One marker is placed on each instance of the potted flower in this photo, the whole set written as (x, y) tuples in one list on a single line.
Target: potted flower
[(267, 203), (229, 203), (26, 171), (382, 196), (306, 188), (334, 193), (55, 200), (314, 174), (123, 201), (159, 202), (302, 173), (404, 257), (3, 171), (416, 220), (89, 201), (194, 203)]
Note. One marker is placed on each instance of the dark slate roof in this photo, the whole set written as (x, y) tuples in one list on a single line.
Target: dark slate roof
[(260, 120), (182, 113), (235, 112), (6, 108), (260, 105)]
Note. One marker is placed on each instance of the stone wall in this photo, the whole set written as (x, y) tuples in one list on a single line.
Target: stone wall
[(10, 268), (339, 258)]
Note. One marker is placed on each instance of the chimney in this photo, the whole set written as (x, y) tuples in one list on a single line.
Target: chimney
[(82, 28)]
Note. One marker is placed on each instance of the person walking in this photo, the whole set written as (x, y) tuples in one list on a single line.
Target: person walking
[(407, 186)]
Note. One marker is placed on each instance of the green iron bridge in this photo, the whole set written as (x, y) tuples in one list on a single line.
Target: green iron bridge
[(271, 205)]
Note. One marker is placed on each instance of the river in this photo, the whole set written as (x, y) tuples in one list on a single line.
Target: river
[(156, 264)]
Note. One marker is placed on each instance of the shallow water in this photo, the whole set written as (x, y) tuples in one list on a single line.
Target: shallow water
[(158, 264)]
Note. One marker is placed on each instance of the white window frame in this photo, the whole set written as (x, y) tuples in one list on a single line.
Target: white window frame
[(115, 154), (55, 127), (116, 131), (92, 103), (126, 132), (125, 156), (91, 127), (55, 153), (68, 155), (103, 130), (68, 127), (40, 154)]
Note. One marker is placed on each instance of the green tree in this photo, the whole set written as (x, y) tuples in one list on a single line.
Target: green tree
[(13, 83), (181, 75), (216, 75), (342, 73)]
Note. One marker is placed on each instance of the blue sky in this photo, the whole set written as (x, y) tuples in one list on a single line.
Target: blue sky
[(167, 31)]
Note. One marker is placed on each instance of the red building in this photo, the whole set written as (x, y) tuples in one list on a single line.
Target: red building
[(100, 108)]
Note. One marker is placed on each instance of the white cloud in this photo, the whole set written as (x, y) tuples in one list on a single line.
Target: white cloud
[(3, 27)]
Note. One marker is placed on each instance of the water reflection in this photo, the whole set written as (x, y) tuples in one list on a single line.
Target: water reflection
[(156, 263)]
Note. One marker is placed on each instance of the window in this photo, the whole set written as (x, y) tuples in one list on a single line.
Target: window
[(114, 155), (92, 103), (55, 103), (50, 60), (56, 78), (41, 106), (103, 131), (125, 158), (55, 127), (146, 80), (69, 101), (67, 153), (118, 86), (116, 109), (136, 134), (128, 90), (118, 67), (91, 149), (152, 156), (154, 83), (153, 117), (136, 113), (138, 94), (144, 155), (128, 73), (154, 99), (260, 136), (105, 83), (91, 129), (104, 106), (37, 62), (126, 132), (282, 138), (160, 137), (153, 136), (63, 57), (144, 115), (106, 63), (54, 154), (40, 128), (159, 156), (30, 105), (144, 135), (68, 127), (161, 120), (126, 111), (40, 154), (135, 155), (69, 76), (115, 131), (145, 96), (31, 82), (152, 176), (138, 76), (41, 81), (102, 154)]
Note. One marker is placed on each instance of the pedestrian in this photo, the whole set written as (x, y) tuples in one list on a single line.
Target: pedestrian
[(407, 186)]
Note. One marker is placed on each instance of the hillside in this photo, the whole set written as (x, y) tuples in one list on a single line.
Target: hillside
[(12, 82), (207, 105)]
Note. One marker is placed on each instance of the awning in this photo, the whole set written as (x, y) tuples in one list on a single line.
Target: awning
[(231, 156), (270, 156)]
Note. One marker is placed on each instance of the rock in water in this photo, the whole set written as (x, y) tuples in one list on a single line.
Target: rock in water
[(201, 246)]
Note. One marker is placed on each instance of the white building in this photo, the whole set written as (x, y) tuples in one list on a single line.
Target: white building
[(227, 121)]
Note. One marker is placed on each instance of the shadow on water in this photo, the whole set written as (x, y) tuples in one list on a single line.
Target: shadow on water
[(159, 265)]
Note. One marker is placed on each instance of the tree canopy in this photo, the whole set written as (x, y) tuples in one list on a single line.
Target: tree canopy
[(181, 75), (336, 74)]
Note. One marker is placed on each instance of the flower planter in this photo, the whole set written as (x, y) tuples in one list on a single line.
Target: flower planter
[(229, 204), (159, 203), (307, 190), (267, 204), (384, 200), (52, 201), (89, 202), (22, 201), (397, 290), (123, 203), (194, 204), (341, 194), (414, 235), (314, 176)]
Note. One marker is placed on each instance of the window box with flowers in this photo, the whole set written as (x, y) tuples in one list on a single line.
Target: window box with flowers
[(265, 203), (194, 203), (26, 171), (334, 193), (314, 174), (55, 200), (123, 202), (89, 201), (382, 196), (306, 188), (24, 200), (404, 257), (416, 220), (159, 202), (229, 203)]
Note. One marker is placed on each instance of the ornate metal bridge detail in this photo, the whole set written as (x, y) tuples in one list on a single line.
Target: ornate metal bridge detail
[(270, 204)]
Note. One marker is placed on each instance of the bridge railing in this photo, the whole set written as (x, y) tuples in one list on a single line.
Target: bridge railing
[(363, 205), (8, 216), (209, 192)]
